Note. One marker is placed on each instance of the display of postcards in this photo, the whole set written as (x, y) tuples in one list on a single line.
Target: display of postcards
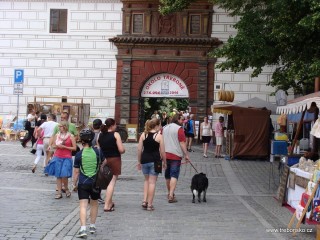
[(74, 111)]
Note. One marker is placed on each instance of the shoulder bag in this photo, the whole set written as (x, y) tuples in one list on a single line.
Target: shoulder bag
[(104, 175)]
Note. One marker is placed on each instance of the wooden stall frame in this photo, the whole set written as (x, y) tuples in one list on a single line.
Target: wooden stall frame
[(45, 100)]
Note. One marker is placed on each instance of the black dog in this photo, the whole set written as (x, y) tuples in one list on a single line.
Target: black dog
[(199, 184)]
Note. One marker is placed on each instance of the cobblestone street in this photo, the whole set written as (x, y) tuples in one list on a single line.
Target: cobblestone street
[(240, 204)]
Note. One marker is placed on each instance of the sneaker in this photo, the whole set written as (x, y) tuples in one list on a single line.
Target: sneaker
[(82, 234), (204, 155), (100, 200), (92, 229)]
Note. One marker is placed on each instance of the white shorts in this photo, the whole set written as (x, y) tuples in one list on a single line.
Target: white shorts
[(219, 140)]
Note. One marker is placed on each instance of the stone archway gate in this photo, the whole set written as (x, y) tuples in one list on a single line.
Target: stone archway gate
[(151, 44)]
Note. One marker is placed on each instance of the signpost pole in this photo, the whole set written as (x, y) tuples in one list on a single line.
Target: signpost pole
[(18, 110), (18, 87)]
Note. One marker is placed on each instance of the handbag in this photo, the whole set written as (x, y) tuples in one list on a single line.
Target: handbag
[(103, 176)]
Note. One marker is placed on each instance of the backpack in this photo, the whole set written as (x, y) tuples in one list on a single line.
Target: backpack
[(187, 126), (81, 167)]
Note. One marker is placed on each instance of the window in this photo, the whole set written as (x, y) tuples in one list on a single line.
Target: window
[(195, 24), (137, 23), (58, 20)]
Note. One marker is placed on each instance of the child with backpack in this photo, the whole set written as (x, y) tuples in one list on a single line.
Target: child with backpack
[(86, 165)]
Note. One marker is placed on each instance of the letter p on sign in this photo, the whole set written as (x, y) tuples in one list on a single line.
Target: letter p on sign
[(18, 76)]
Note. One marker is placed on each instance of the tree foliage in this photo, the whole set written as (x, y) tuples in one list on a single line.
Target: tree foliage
[(280, 33), (164, 104)]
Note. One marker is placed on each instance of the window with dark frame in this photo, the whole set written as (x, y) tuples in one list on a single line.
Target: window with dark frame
[(195, 24), (137, 23), (58, 20)]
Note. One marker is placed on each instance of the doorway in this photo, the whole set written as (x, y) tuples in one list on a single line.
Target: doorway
[(149, 105)]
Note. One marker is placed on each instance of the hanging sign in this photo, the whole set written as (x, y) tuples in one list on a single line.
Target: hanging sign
[(165, 85)]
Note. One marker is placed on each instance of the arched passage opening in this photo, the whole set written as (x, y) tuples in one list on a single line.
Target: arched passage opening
[(162, 92)]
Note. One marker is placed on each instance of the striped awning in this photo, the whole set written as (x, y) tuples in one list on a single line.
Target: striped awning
[(300, 104)]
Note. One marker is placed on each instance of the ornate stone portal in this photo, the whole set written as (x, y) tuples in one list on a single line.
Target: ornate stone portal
[(177, 44)]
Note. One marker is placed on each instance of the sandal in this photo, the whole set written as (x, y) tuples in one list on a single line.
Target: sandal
[(68, 193), (169, 196), (144, 204), (33, 169), (58, 196), (110, 209), (150, 208), (172, 200)]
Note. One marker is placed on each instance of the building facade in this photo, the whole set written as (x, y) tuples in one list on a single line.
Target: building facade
[(108, 51)]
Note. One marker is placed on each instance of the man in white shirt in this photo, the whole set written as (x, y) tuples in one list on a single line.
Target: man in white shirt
[(48, 128)]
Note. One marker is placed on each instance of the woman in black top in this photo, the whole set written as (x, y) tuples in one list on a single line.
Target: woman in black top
[(111, 146), (150, 149)]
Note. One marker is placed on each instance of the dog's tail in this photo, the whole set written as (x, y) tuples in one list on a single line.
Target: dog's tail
[(195, 192)]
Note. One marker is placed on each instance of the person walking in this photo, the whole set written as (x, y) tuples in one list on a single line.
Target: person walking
[(39, 143), (218, 129), (96, 125), (150, 149), (205, 135), (176, 150), (48, 129), (155, 115), (61, 164), (71, 129), (164, 119), (85, 167), (191, 131), (111, 146), (29, 126)]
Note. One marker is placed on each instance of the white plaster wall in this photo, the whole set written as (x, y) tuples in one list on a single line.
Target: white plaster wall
[(80, 63)]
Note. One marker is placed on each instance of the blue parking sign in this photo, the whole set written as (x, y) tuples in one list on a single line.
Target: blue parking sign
[(18, 75)]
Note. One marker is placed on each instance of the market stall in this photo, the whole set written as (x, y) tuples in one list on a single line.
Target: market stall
[(248, 140), (303, 179)]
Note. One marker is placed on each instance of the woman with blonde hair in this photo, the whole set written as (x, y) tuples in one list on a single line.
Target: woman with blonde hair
[(61, 164), (150, 149), (109, 141)]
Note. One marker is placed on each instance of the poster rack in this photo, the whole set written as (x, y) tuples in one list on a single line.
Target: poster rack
[(79, 112)]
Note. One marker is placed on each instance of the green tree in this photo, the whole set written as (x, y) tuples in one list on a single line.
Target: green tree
[(280, 33), (164, 104)]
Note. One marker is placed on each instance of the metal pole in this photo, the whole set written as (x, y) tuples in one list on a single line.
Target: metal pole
[(17, 109)]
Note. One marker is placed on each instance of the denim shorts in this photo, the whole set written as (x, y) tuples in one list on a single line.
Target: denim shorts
[(148, 169), (173, 169)]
